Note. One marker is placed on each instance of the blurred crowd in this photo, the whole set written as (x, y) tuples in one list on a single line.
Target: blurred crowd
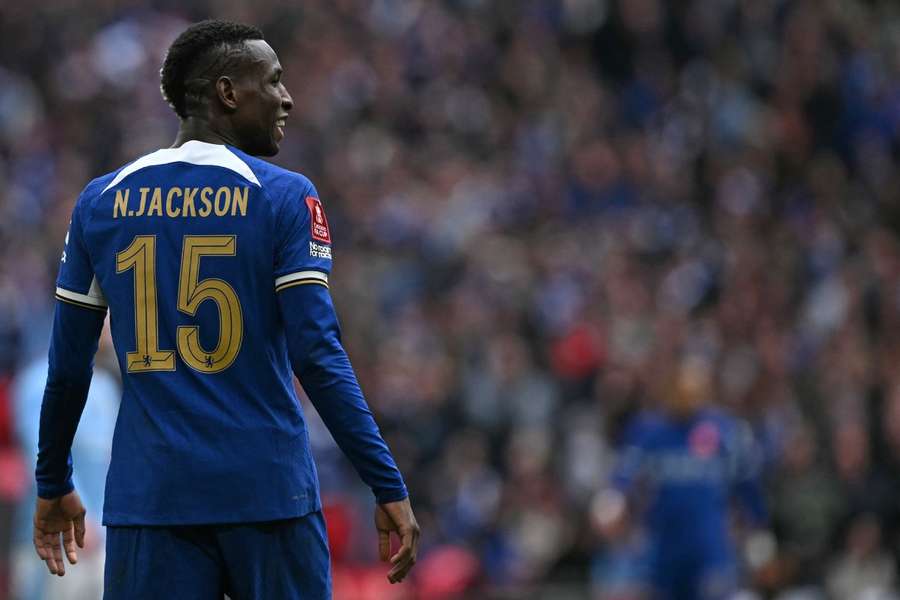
[(538, 206)]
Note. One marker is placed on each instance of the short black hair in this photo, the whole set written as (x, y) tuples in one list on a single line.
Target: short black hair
[(197, 57)]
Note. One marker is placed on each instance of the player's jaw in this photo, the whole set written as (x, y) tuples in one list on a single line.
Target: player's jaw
[(262, 129), (271, 133), (273, 118)]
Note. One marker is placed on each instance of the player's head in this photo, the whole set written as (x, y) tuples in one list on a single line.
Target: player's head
[(226, 74), (692, 387)]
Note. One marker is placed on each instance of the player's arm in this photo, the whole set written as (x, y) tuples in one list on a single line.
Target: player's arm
[(322, 365), (303, 261), (759, 543), (610, 507), (76, 332), (78, 321), (746, 471), (324, 370)]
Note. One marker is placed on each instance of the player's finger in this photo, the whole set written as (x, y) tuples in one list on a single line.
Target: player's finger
[(56, 551), (46, 542), (408, 546), (402, 554), (51, 566), (401, 569), (384, 545), (404, 560), (69, 544), (79, 530), (42, 550), (398, 573)]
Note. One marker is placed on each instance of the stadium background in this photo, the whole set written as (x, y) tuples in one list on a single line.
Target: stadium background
[(535, 203)]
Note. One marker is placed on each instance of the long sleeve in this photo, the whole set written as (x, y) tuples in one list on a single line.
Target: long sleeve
[(324, 370), (747, 471), (629, 467), (76, 331)]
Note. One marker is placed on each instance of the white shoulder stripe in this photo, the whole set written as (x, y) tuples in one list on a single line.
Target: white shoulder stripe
[(194, 152), (83, 298), (291, 277)]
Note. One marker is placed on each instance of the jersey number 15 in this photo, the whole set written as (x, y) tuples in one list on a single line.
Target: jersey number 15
[(140, 255)]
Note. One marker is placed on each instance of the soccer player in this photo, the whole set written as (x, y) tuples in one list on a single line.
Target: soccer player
[(214, 267), (680, 469)]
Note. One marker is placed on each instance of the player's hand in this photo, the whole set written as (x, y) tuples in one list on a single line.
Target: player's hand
[(63, 515), (397, 517), (609, 514)]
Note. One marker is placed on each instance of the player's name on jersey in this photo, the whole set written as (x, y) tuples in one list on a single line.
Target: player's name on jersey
[(181, 202)]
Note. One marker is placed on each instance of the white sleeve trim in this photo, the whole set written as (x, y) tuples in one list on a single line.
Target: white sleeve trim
[(94, 297), (317, 276)]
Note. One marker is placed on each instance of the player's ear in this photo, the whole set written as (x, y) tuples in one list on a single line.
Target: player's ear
[(225, 91)]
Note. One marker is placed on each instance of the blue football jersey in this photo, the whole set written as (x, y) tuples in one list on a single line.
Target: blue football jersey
[(187, 248), (688, 472)]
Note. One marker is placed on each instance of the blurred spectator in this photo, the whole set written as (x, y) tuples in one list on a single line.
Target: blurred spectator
[(806, 506), (864, 569)]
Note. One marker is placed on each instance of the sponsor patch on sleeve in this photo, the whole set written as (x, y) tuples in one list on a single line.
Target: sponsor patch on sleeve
[(318, 222), (319, 251)]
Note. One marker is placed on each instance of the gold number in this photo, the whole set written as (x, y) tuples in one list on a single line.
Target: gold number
[(192, 292), (141, 256)]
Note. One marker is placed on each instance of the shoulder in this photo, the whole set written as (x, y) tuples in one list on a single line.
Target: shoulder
[(722, 419), (92, 192), (276, 180), (98, 185), (735, 431)]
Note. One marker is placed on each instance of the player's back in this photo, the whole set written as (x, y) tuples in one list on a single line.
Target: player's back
[(187, 245)]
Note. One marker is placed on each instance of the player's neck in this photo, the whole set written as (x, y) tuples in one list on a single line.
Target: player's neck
[(194, 128)]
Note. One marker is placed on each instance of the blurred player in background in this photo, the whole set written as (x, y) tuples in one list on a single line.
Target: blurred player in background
[(214, 266), (678, 472), (91, 450)]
